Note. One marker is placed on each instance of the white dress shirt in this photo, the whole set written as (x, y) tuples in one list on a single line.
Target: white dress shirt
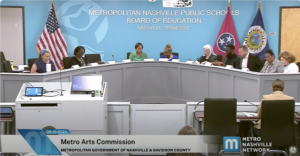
[(291, 68), (245, 61)]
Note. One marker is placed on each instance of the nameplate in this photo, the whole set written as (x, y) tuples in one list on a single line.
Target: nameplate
[(149, 59), (75, 66), (229, 66), (208, 64), (21, 67), (128, 60), (175, 60), (163, 59), (245, 69), (111, 62), (190, 62), (94, 64)]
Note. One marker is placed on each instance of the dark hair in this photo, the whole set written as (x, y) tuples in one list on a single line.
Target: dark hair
[(77, 49), (138, 44), (278, 85), (244, 47), (269, 51), (231, 46)]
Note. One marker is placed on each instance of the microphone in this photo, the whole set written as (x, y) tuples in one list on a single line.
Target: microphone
[(252, 104), (61, 91), (113, 57)]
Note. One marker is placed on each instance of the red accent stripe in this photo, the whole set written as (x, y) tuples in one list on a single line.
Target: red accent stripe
[(57, 49)]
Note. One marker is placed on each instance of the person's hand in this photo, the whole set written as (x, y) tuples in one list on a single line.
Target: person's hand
[(196, 62)]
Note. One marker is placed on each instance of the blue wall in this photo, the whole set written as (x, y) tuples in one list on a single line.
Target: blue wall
[(111, 35)]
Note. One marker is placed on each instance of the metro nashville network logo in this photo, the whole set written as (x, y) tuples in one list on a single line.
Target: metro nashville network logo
[(250, 144)]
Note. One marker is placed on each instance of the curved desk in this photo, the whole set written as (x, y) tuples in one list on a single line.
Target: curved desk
[(163, 82)]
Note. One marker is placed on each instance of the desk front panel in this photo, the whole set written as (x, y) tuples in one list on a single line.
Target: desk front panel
[(163, 82)]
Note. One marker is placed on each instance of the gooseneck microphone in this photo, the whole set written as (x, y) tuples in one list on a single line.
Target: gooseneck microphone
[(61, 91), (252, 104)]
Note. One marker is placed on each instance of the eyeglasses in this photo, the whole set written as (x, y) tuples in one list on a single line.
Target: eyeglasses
[(266, 57)]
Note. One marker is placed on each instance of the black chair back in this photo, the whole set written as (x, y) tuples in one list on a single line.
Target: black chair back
[(2, 57), (220, 117), (220, 58), (92, 58), (277, 122), (1, 68), (174, 53), (128, 54), (31, 62), (298, 64), (67, 62), (7, 66)]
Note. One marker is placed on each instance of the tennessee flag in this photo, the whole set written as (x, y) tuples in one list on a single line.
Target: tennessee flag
[(227, 35)]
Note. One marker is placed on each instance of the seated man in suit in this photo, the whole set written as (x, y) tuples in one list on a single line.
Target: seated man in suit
[(272, 65), (250, 61), (230, 59), (277, 87)]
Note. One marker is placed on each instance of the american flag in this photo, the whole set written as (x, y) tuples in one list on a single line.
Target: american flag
[(53, 39)]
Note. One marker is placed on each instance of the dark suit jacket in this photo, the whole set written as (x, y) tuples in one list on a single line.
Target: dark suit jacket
[(254, 63), (211, 58), (75, 61)]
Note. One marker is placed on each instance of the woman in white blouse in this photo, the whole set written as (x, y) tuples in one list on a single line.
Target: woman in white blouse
[(288, 60)]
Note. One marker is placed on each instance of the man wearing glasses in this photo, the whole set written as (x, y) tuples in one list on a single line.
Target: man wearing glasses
[(272, 65)]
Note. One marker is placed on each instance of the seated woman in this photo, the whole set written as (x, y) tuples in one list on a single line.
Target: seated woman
[(39, 65), (288, 60), (77, 58), (168, 53), (138, 55), (209, 55)]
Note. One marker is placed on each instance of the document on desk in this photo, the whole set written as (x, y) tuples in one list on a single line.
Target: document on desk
[(250, 114)]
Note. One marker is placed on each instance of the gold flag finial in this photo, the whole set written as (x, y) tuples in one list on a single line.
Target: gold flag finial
[(259, 6), (228, 3)]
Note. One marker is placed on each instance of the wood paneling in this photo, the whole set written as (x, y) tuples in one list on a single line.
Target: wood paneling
[(290, 31)]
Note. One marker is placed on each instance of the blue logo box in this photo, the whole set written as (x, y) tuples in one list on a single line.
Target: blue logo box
[(231, 144)]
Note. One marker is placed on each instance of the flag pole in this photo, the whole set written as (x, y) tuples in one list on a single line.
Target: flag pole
[(228, 3), (259, 6), (52, 5)]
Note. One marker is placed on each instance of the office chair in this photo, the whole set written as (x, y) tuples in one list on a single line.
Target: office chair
[(298, 64), (128, 54), (277, 124), (220, 58), (92, 58), (174, 53), (2, 56), (31, 62), (1, 68), (67, 62), (7, 66), (220, 119)]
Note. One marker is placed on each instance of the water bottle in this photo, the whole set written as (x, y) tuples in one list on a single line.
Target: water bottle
[(12, 63)]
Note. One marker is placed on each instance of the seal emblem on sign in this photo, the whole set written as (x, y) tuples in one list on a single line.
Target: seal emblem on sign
[(256, 39)]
